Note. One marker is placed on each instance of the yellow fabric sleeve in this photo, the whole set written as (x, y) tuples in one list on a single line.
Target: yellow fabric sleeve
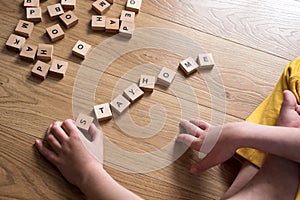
[(268, 111)]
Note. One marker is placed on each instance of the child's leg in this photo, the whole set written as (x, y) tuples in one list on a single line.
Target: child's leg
[(277, 179), (246, 173), (276, 173)]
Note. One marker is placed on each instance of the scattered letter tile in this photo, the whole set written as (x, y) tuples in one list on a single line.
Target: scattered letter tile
[(101, 6), (40, 70), (24, 28), (58, 68), (81, 49), (15, 42), (120, 104), (28, 52), (55, 32), (147, 83), (98, 22), (133, 93), (188, 66), (45, 52), (166, 77), (103, 112), (69, 19), (206, 61)]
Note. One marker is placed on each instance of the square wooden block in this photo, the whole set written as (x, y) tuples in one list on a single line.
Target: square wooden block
[(98, 22), (45, 52), (112, 25), (55, 11), (103, 112), (101, 6), (206, 61), (166, 77), (40, 70), (147, 83), (15, 42), (24, 28), (81, 49), (69, 19), (31, 3), (55, 32), (58, 68), (68, 4), (188, 66), (127, 16), (126, 29), (134, 5), (28, 52), (83, 122), (120, 104), (34, 14), (133, 93)]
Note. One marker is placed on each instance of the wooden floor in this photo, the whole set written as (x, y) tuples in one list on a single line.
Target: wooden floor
[(251, 42)]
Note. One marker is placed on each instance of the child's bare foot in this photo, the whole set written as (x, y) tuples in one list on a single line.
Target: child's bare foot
[(68, 153), (289, 112)]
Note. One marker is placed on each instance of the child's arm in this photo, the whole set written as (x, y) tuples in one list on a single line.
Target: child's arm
[(280, 141), (78, 166)]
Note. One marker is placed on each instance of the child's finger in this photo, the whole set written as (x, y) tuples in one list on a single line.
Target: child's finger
[(58, 132), (191, 128), (96, 133), (54, 143), (200, 123), (69, 127), (189, 140), (49, 155)]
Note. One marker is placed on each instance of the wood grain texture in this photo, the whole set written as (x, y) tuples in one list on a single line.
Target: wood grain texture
[(251, 41)]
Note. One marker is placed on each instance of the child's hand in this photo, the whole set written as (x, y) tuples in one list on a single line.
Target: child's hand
[(72, 155), (221, 149)]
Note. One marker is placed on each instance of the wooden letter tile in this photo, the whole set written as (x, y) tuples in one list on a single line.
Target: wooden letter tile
[(15, 42), (55, 11), (24, 28), (147, 83), (134, 5), (133, 93), (103, 112), (98, 22), (112, 25), (40, 70), (28, 52), (126, 29), (31, 3), (127, 16), (166, 77), (58, 68), (188, 66), (83, 122), (81, 49), (68, 4), (55, 32), (101, 6), (206, 61), (120, 104), (69, 19), (45, 52), (34, 14)]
